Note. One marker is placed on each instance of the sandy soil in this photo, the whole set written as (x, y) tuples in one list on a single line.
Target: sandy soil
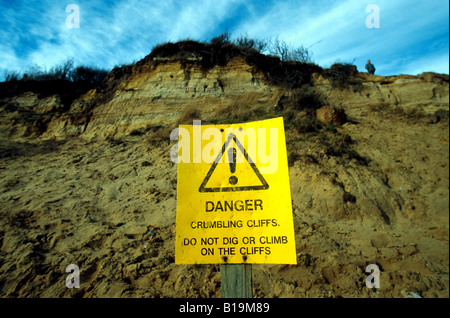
[(109, 207)]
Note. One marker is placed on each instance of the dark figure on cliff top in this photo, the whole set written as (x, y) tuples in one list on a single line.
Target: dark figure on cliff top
[(370, 68)]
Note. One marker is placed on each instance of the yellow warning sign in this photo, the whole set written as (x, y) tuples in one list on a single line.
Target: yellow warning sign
[(233, 194)]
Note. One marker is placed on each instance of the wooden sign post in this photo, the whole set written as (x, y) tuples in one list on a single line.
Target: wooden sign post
[(236, 280)]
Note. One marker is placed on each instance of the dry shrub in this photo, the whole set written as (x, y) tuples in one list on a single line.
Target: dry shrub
[(243, 108), (299, 106), (188, 115), (413, 115), (341, 75), (306, 98), (162, 134), (379, 107)]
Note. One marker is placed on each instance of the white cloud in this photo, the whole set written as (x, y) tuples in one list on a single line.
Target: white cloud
[(438, 63), (340, 28), (197, 19), (123, 31)]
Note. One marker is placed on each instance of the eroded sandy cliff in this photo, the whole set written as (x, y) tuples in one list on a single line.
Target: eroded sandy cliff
[(89, 182)]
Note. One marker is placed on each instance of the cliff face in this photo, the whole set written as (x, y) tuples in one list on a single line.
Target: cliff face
[(157, 95), (427, 90), (86, 179), (158, 92)]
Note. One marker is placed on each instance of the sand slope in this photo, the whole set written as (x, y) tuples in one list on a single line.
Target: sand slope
[(87, 180), (109, 207)]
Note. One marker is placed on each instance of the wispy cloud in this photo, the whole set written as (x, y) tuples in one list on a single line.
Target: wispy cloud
[(406, 29), (412, 38)]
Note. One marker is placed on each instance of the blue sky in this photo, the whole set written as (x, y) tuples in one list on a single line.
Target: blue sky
[(413, 36)]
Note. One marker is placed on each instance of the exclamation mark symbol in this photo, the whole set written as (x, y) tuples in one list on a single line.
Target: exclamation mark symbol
[(232, 160)]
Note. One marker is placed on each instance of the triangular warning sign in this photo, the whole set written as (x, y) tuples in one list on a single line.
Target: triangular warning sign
[(236, 184)]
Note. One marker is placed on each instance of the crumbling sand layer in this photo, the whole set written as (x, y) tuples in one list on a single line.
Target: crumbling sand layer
[(109, 206)]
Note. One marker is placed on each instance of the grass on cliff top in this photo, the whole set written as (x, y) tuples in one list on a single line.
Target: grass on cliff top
[(287, 73), (64, 79), (281, 64)]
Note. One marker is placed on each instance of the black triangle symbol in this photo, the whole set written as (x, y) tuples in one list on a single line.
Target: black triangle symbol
[(264, 185)]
